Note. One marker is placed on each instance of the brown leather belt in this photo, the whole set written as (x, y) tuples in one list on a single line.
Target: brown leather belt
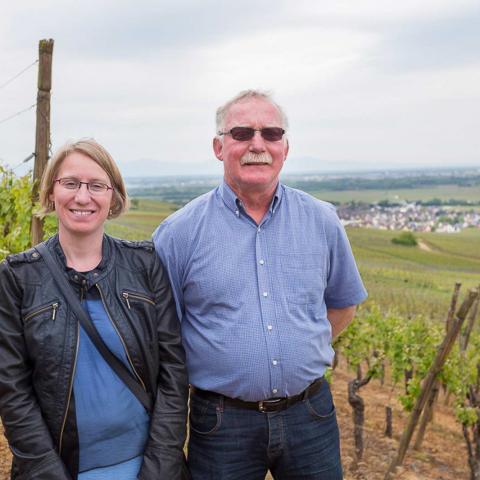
[(265, 406)]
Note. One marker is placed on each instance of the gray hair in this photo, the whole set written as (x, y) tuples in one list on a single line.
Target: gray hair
[(243, 96)]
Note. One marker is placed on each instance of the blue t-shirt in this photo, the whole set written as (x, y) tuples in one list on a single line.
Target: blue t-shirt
[(123, 471), (253, 299), (112, 424)]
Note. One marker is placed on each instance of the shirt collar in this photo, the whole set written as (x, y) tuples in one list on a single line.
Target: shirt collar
[(233, 202)]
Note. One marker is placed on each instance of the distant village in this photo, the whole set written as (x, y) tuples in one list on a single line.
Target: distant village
[(409, 216), (433, 215)]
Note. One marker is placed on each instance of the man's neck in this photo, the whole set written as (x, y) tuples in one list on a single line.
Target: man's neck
[(256, 202)]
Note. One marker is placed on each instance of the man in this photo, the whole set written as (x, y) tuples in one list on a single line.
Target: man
[(264, 278)]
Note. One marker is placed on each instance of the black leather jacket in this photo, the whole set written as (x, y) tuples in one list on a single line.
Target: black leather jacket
[(38, 350)]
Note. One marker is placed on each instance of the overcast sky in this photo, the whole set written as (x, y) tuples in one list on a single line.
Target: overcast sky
[(366, 84)]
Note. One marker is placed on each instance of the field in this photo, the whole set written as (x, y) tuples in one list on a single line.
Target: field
[(443, 192), (412, 280), (139, 223), (416, 280)]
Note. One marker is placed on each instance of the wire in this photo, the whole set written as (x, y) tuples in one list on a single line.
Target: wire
[(32, 155), (18, 113), (17, 75)]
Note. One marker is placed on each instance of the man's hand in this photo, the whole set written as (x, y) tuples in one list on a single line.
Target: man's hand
[(340, 318)]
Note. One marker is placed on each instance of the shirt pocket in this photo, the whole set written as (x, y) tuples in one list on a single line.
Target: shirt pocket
[(304, 277)]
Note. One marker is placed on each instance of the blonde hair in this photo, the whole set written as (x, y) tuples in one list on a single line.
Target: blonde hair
[(95, 151)]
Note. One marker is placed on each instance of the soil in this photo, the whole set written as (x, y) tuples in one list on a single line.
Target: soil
[(443, 455)]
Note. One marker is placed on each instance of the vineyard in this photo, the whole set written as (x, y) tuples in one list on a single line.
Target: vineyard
[(16, 212), (386, 359)]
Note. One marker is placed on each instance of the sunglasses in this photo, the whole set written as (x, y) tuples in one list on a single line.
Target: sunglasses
[(243, 134)]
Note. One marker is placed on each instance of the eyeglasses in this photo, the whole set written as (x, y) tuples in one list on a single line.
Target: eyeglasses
[(95, 188), (243, 134)]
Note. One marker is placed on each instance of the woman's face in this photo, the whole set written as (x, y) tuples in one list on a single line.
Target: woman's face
[(80, 211)]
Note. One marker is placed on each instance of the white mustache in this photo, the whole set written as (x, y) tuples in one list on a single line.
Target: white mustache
[(251, 158)]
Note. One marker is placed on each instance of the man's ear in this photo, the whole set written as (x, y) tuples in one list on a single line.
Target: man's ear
[(218, 148), (287, 147)]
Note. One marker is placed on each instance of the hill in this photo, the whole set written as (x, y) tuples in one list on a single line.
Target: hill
[(419, 279), (411, 280)]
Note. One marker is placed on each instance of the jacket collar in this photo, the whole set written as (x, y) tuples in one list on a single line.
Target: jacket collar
[(85, 279)]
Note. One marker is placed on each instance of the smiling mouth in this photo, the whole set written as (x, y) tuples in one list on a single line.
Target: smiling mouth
[(82, 213)]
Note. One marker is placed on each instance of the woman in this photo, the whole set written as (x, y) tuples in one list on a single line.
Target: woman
[(66, 414)]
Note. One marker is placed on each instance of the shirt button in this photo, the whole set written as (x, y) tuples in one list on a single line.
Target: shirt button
[(261, 262), (269, 327), (274, 390), (259, 229), (265, 294), (274, 362), (237, 213)]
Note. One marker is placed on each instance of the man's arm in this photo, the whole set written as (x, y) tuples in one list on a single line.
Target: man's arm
[(344, 284), (340, 318)]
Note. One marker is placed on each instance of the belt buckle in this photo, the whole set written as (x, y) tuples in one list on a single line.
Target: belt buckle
[(263, 406)]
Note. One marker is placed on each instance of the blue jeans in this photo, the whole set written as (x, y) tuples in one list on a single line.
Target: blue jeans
[(232, 443)]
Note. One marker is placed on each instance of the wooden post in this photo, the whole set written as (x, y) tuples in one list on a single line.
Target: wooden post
[(465, 337), (453, 305), (427, 416), (437, 364), (42, 132), (388, 421)]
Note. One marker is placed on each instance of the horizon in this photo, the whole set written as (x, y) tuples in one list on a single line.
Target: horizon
[(395, 84), (385, 172), (22, 169)]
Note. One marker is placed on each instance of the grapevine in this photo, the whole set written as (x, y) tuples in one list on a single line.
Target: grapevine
[(16, 212)]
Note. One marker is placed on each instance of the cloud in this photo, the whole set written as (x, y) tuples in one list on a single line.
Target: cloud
[(285, 59), (433, 44), (118, 29), (367, 82)]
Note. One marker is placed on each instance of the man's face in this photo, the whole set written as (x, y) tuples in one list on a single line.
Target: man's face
[(255, 164)]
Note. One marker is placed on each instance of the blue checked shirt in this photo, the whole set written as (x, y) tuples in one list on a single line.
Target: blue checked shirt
[(252, 298)]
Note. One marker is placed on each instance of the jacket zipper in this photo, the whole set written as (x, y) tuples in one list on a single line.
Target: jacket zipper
[(121, 339), (53, 307), (70, 388), (138, 296)]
